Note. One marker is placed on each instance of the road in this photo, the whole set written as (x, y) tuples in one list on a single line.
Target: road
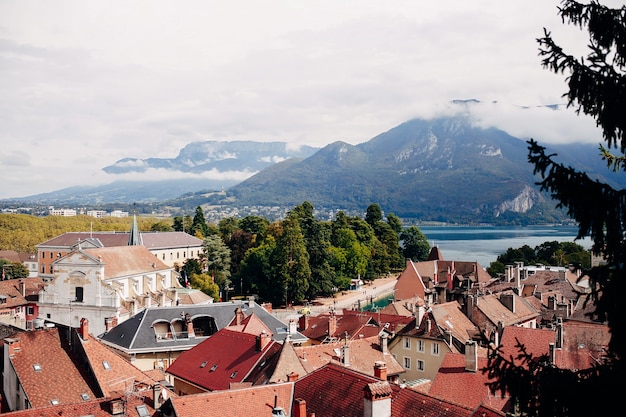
[(379, 288)]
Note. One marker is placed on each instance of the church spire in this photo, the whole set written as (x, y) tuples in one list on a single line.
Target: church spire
[(134, 239)]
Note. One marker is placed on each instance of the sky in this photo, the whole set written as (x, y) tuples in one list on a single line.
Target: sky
[(86, 83)]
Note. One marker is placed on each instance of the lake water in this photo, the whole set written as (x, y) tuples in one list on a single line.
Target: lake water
[(485, 243)]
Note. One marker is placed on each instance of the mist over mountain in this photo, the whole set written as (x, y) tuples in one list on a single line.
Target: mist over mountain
[(443, 169)]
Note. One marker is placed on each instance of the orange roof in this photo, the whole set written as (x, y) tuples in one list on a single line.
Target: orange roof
[(46, 371), (362, 356), (121, 261), (453, 383), (254, 401)]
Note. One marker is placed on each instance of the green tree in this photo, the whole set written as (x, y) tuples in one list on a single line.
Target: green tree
[(215, 257), (291, 261), (395, 223), (415, 245), (204, 282), (257, 272), (373, 214), (182, 224), (597, 87), (199, 225), (13, 270)]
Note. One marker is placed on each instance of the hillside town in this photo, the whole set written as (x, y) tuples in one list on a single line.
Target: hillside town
[(103, 326)]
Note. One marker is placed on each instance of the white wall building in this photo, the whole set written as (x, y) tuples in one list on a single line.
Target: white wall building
[(106, 286)]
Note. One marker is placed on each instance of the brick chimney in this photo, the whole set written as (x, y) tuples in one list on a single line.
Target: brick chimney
[(380, 370), (299, 408), (303, 322), (190, 331), (239, 316), (332, 324), (13, 345), (262, 341), (84, 329), (377, 401), (471, 356), (22, 287), (291, 377)]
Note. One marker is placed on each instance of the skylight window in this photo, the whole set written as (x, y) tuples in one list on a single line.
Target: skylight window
[(106, 365), (37, 367), (142, 410), (54, 402), (213, 368), (84, 396), (233, 374), (203, 364)]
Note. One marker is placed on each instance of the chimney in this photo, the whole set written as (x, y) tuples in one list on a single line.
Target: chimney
[(291, 377), (239, 316), (13, 345), (116, 406), (22, 287), (377, 401), (108, 324), (84, 329), (469, 307), (518, 283), (262, 341), (384, 343), (277, 410), (471, 357), (190, 331), (345, 355), (508, 300), (421, 311), (303, 322), (299, 409), (156, 394), (559, 333), (436, 272), (380, 370), (293, 326), (332, 324)]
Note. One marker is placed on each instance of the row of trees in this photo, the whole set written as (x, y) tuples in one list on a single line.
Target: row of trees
[(548, 253), (300, 257)]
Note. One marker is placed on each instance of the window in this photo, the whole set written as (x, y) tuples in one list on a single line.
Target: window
[(177, 255), (54, 402), (43, 268), (37, 367), (142, 410), (30, 310), (163, 255), (420, 345), (79, 294), (420, 365), (407, 363), (407, 343), (43, 255), (435, 349), (84, 396), (106, 365)]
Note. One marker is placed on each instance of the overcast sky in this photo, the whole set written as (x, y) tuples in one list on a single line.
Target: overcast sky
[(86, 83)]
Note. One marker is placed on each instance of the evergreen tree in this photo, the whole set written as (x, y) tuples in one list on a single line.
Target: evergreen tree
[(199, 226), (597, 87), (415, 245)]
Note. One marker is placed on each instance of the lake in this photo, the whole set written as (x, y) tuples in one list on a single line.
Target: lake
[(485, 243)]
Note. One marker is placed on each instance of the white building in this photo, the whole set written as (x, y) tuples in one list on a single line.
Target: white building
[(106, 285)]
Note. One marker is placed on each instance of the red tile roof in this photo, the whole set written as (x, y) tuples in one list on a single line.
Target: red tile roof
[(226, 357), (453, 383), (123, 261), (56, 377), (97, 408), (254, 401), (392, 322), (14, 297), (536, 341), (112, 372), (362, 356), (584, 345), (320, 327)]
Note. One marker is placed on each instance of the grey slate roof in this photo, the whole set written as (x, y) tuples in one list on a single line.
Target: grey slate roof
[(136, 334), (151, 240)]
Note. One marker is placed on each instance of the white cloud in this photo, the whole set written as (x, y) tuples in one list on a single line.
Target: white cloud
[(86, 84)]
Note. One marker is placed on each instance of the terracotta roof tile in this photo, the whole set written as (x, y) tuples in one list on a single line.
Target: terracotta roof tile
[(226, 357), (55, 369), (254, 401)]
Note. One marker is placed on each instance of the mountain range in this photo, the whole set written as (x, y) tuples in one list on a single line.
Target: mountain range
[(442, 170)]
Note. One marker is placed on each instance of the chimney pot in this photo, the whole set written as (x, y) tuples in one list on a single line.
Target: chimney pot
[(84, 328)]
